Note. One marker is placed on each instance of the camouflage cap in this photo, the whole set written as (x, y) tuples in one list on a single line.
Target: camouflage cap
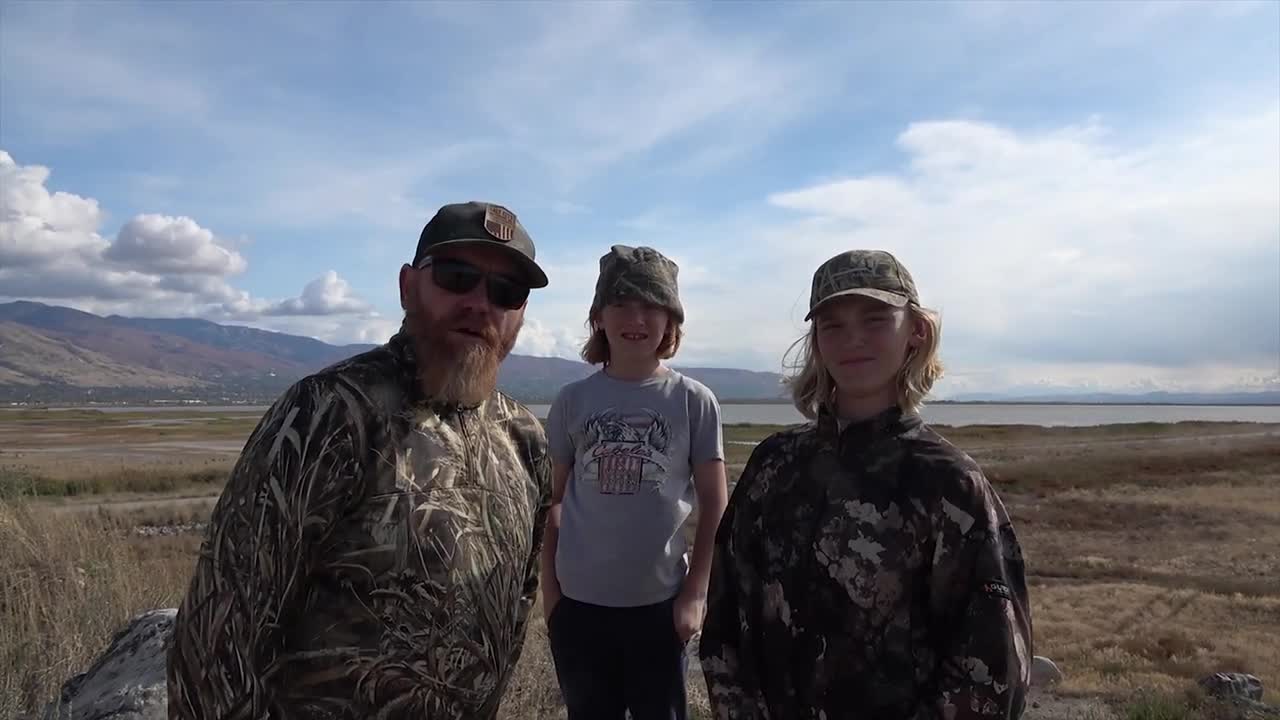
[(638, 273), (871, 273)]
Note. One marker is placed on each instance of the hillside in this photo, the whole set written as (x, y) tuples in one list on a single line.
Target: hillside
[(30, 359), (119, 339), (57, 354), (302, 350)]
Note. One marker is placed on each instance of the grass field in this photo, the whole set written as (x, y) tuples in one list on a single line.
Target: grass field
[(1153, 550)]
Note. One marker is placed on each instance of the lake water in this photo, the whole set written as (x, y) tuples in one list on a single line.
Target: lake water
[(1046, 415), (947, 414)]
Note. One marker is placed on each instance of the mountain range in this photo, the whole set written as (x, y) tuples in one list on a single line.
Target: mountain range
[(53, 354)]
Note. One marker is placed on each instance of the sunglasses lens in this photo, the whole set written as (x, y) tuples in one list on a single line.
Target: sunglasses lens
[(455, 277), (505, 293), (460, 277)]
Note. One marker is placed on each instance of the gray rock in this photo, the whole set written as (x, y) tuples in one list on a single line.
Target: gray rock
[(1232, 686), (1044, 672), (157, 530), (127, 681)]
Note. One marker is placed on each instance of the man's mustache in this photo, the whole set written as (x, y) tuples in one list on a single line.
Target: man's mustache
[(475, 324)]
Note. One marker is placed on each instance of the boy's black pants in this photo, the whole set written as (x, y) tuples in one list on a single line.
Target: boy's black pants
[(610, 659)]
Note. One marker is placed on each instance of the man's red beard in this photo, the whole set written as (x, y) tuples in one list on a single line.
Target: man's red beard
[(456, 369)]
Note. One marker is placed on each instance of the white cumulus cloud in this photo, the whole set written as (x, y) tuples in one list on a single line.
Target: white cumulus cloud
[(52, 250), (36, 226), (370, 329), (328, 294), (542, 340), (1057, 254), (162, 244), (1066, 246)]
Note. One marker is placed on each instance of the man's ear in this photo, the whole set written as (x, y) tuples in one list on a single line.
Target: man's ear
[(407, 278)]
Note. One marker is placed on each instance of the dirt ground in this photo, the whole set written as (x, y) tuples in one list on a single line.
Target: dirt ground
[(1049, 706)]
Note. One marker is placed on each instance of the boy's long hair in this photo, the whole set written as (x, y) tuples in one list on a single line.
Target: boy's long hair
[(812, 386), (595, 351)]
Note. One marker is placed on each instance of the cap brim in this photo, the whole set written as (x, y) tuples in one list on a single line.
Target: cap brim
[(532, 273), (884, 296)]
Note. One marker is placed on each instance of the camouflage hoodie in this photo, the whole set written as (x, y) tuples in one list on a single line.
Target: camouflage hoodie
[(866, 573), (372, 555)]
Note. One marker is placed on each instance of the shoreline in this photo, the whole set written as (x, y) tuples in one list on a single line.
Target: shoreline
[(203, 404)]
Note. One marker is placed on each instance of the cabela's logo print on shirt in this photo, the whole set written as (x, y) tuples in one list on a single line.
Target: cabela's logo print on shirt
[(626, 452)]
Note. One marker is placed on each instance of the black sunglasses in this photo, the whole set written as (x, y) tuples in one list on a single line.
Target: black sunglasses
[(461, 277)]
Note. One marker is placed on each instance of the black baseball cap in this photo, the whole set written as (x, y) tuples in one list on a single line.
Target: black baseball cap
[(481, 223)]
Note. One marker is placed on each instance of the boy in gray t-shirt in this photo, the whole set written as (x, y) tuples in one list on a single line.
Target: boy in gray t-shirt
[(632, 446), (635, 448)]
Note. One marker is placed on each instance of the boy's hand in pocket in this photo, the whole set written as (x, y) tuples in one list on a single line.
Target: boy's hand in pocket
[(688, 611)]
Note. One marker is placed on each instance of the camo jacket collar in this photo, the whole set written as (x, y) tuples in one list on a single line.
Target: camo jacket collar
[(859, 436)]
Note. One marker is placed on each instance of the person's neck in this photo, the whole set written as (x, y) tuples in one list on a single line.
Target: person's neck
[(633, 369), (856, 408)]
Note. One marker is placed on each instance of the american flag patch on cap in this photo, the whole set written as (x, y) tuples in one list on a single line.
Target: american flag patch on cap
[(500, 223)]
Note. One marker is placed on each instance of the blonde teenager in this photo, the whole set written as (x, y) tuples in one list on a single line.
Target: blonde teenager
[(865, 567), (634, 447)]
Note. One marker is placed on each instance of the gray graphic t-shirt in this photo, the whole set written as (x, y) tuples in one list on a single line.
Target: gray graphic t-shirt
[(633, 446)]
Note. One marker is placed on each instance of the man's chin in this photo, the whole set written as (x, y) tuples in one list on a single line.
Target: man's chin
[(457, 367), (461, 344), (463, 374)]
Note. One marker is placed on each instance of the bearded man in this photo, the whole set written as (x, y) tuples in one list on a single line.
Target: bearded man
[(375, 551)]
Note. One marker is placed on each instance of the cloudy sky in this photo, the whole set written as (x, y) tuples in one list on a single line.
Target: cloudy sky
[(1088, 192)]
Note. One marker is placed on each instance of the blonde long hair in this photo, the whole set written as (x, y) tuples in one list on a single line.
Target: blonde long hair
[(812, 386)]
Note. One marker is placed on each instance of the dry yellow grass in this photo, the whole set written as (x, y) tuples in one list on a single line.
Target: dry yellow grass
[(1153, 565), (72, 579), (19, 482), (69, 581), (1117, 638)]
